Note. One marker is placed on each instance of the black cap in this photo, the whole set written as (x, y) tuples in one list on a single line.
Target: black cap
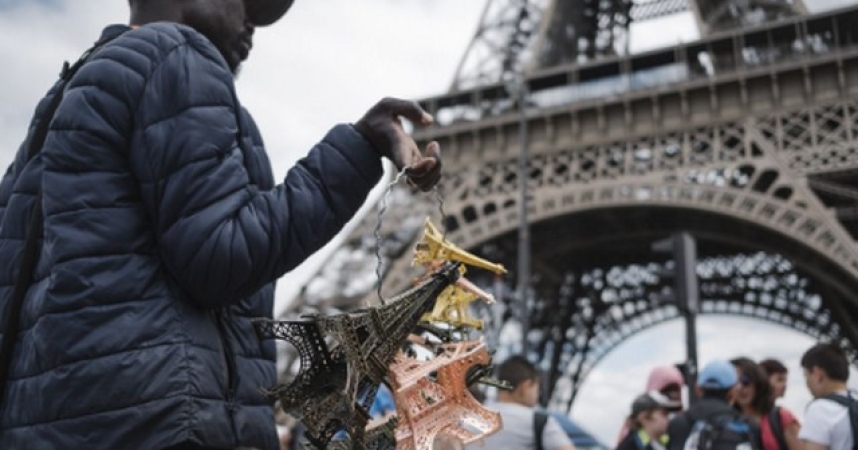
[(265, 12), (653, 400)]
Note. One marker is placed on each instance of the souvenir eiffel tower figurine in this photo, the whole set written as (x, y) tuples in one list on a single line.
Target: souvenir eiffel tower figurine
[(337, 383), (432, 397), (451, 307)]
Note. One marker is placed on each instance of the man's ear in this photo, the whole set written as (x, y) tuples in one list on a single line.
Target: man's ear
[(523, 386), (818, 374)]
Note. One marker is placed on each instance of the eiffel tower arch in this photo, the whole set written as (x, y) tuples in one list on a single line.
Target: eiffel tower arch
[(746, 138)]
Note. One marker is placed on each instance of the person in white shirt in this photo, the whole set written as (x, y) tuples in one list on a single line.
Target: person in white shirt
[(518, 410), (827, 425)]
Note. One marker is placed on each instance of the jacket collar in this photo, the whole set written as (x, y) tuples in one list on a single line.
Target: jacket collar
[(111, 32)]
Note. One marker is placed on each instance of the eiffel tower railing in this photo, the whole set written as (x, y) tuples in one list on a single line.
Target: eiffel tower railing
[(720, 56)]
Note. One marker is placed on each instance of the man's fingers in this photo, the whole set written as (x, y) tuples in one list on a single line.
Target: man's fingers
[(425, 171), (433, 150), (425, 174), (411, 110), (421, 168)]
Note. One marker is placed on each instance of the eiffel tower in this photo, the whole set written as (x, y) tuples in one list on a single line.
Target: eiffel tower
[(746, 138)]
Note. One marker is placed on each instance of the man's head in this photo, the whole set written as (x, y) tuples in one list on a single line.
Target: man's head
[(717, 380), (228, 24), (650, 413), (826, 369), (524, 379), (777, 373)]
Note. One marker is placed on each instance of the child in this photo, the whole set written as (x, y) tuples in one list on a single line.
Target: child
[(649, 419)]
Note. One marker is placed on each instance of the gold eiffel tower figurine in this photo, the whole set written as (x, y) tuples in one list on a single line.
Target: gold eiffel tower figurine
[(452, 304)]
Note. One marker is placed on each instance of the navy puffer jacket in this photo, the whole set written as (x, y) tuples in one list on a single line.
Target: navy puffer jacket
[(164, 233)]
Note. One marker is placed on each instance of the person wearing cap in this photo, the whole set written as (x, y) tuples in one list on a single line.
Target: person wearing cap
[(716, 385), (648, 421), (164, 231), (668, 381)]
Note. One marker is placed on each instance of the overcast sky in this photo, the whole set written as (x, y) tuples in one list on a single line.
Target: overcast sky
[(328, 61)]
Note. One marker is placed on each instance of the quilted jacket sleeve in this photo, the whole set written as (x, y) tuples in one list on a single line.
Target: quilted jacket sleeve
[(220, 236)]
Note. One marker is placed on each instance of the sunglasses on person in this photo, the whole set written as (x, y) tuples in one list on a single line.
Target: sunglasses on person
[(745, 380)]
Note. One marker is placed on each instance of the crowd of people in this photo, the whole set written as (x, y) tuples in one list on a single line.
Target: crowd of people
[(736, 407)]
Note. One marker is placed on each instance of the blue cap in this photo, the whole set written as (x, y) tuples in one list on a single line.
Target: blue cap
[(717, 375)]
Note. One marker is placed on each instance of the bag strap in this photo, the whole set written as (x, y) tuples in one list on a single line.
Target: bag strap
[(777, 426), (540, 419), (30, 253), (851, 405)]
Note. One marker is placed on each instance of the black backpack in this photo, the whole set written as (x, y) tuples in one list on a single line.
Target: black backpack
[(726, 431)]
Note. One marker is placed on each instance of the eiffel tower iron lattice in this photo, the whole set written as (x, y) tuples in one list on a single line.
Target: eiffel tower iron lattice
[(747, 138), (522, 36)]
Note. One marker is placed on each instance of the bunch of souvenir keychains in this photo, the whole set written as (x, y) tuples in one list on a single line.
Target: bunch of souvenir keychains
[(344, 358)]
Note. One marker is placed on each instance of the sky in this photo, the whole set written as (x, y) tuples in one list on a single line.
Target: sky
[(327, 62)]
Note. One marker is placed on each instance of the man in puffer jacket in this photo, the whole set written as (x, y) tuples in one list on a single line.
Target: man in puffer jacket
[(164, 232)]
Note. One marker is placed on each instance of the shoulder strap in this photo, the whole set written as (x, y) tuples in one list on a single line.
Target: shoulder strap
[(851, 405), (777, 426), (30, 253), (540, 419), (837, 398)]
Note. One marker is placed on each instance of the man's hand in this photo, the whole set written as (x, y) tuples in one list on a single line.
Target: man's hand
[(381, 126)]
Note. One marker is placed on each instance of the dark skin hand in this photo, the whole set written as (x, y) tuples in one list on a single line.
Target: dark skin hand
[(382, 127)]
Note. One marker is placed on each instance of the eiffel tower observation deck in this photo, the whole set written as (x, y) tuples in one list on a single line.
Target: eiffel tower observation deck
[(745, 139)]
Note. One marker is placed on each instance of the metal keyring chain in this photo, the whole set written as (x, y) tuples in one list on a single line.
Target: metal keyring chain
[(378, 239)]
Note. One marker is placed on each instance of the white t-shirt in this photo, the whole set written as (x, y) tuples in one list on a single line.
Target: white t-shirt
[(826, 422), (517, 431)]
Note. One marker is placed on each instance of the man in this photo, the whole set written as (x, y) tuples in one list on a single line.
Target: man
[(518, 411), (826, 421), (648, 421), (164, 232), (715, 387)]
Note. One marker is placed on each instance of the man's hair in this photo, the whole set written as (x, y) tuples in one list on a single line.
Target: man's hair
[(773, 366), (829, 358), (517, 369)]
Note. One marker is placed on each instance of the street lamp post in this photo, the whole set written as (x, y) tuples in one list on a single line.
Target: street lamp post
[(520, 90)]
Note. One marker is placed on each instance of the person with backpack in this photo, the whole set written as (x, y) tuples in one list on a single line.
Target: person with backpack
[(712, 423), (524, 427), (830, 418), (648, 421), (755, 400)]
